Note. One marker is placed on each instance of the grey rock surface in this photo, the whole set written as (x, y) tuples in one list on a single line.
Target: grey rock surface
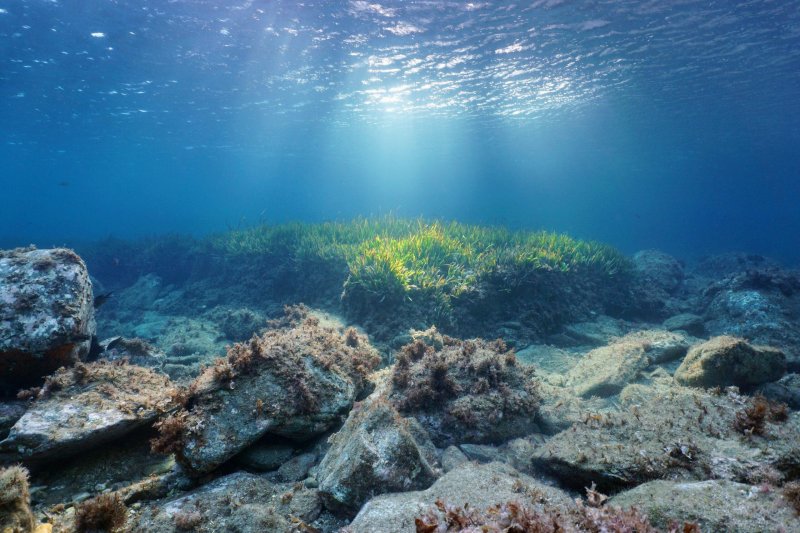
[(295, 382), (726, 360), (374, 453), (716, 505), (46, 314), (669, 432), (236, 502), (606, 370), (479, 486), (85, 406)]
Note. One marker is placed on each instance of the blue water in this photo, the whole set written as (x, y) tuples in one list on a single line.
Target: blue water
[(666, 124)]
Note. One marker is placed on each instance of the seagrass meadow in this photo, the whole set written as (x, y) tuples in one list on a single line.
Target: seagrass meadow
[(391, 272)]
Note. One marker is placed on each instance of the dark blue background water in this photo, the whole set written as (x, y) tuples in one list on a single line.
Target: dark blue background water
[(641, 123)]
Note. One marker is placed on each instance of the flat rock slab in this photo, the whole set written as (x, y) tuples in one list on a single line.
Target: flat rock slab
[(479, 486), (715, 505), (85, 406), (726, 360), (46, 314), (237, 502), (606, 370), (668, 432)]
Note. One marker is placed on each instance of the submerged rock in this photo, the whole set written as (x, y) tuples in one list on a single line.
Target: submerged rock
[(715, 505), (468, 391), (377, 451), (477, 486), (294, 382), (46, 314), (786, 390), (659, 270), (605, 371), (688, 322), (265, 456), (237, 502), (84, 406), (672, 432), (725, 360)]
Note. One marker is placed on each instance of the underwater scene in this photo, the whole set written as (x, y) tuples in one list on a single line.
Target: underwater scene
[(385, 266)]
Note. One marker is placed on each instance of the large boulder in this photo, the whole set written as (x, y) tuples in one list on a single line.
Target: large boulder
[(715, 505), (46, 314), (664, 431), (84, 406), (659, 270), (605, 371), (295, 381), (761, 305), (466, 391), (726, 360), (376, 451), (471, 485)]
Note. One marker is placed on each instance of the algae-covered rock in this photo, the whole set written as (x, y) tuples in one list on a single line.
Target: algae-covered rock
[(670, 432), (688, 322), (15, 499), (477, 486), (715, 505), (296, 382), (659, 270), (236, 502), (377, 451), (46, 314), (725, 360), (605, 371), (84, 406), (467, 391)]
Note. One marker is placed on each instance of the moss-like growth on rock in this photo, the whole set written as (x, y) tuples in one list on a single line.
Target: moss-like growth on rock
[(466, 391), (15, 510), (105, 513)]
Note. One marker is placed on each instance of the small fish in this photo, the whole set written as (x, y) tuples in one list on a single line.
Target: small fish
[(63, 183), (100, 299)]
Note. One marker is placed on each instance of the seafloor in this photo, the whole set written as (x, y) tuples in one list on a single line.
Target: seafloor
[(381, 376)]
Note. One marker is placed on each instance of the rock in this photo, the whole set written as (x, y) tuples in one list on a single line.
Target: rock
[(547, 358), (142, 295), (482, 453), (10, 412), (294, 382), (725, 360), (297, 468), (561, 407), (265, 456), (374, 453), (659, 270), (597, 332), (479, 486), (786, 390), (669, 432), (236, 502), (46, 314), (715, 505), (452, 457), (468, 391), (762, 306), (238, 324), (688, 322), (605, 371), (15, 500), (84, 406), (137, 351)]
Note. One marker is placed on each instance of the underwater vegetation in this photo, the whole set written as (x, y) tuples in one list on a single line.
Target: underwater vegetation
[(433, 265)]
